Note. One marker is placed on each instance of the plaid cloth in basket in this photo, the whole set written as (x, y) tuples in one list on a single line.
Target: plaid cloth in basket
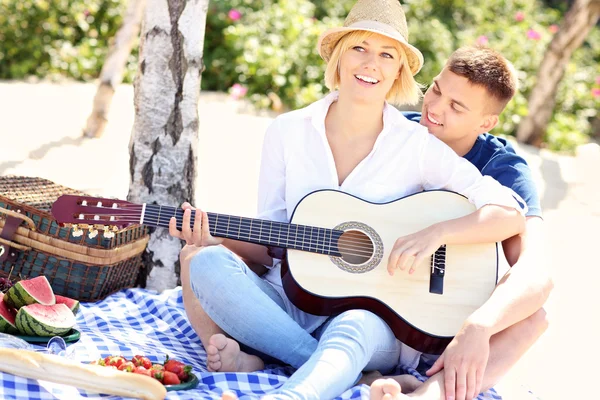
[(137, 321)]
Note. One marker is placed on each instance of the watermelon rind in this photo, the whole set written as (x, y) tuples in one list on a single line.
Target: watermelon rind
[(23, 293), (41, 320), (69, 302), (7, 319)]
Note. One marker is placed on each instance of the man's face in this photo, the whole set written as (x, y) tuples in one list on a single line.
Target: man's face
[(456, 111)]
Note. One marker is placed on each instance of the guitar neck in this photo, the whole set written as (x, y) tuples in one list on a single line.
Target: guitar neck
[(252, 230)]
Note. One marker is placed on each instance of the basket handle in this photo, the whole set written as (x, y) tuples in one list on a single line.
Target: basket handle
[(18, 215), (10, 244), (11, 224)]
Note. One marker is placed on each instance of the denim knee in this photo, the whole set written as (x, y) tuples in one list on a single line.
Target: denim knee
[(211, 265)]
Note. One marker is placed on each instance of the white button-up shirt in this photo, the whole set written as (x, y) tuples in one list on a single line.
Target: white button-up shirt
[(406, 158)]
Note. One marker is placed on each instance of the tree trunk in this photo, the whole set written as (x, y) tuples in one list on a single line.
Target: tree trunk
[(578, 22), (112, 70), (163, 146)]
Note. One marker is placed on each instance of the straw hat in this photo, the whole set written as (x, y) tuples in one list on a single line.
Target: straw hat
[(385, 17)]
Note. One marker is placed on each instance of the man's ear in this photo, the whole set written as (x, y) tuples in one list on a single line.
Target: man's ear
[(490, 121)]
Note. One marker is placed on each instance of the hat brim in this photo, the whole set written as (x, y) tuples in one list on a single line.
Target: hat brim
[(330, 37)]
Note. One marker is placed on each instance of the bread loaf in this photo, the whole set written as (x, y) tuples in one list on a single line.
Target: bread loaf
[(52, 368)]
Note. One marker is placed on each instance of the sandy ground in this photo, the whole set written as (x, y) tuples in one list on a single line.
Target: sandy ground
[(40, 128)]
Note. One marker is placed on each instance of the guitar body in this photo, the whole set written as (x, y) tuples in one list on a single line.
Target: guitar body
[(426, 321)]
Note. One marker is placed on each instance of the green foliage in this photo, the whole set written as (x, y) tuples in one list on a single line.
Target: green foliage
[(45, 37), (269, 48)]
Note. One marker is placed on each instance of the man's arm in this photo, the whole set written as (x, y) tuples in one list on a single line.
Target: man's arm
[(524, 289), (519, 294)]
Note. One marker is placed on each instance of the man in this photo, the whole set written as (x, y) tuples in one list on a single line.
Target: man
[(463, 102)]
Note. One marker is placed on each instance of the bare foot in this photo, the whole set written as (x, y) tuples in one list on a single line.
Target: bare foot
[(407, 382), (369, 377), (386, 389), (229, 396), (224, 355)]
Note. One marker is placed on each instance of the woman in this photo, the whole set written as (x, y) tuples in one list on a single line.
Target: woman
[(355, 142)]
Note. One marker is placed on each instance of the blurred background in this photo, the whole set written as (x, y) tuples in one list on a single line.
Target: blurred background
[(265, 49), (260, 60)]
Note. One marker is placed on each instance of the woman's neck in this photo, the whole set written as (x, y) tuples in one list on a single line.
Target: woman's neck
[(355, 120)]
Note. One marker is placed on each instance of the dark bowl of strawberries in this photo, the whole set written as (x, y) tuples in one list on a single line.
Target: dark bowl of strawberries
[(174, 374)]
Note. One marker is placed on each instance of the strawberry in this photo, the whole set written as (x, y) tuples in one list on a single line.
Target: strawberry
[(157, 374), (170, 378), (142, 361), (117, 361), (180, 369), (159, 367), (142, 371), (99, 362), (127, 367)]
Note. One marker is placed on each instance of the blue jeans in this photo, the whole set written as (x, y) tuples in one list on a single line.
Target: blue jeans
[(251, 311)]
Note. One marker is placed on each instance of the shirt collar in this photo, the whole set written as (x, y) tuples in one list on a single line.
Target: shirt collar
[(321, 108)]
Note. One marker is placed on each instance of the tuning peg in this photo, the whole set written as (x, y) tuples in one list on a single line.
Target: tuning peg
[(76, 232), (108, 232), (92, 233)]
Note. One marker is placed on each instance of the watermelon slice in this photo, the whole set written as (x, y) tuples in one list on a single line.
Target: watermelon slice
[(30, 291), (69, 302), (40, 320), (7, 319)]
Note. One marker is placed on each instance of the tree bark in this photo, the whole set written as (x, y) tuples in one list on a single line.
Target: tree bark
[(112, 70), (163, 146), (578, 21)]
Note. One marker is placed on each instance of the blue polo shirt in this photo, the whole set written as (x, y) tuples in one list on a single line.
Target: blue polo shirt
[(496, 157)]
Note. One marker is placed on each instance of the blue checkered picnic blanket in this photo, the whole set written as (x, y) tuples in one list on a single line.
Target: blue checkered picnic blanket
[(138, 321)]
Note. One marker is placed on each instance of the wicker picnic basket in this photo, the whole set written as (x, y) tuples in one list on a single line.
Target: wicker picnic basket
[(32, 243)]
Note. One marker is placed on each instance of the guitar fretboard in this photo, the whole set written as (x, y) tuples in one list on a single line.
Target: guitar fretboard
[(270, 233)]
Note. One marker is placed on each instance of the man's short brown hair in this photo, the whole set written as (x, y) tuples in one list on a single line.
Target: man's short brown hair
[(485, 67)]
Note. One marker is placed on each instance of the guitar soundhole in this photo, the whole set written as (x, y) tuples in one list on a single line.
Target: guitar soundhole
[(355, 247)]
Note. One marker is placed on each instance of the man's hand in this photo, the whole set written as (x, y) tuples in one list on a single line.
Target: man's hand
[(409, 251), (464, 362), (198, 235)]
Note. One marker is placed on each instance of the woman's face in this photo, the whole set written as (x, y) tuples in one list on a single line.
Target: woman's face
[(368, 70)]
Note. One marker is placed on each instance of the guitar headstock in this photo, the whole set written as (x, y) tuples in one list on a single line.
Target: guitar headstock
[(95, 214)]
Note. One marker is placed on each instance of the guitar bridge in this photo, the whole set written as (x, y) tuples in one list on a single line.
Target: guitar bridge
[(438, 270)]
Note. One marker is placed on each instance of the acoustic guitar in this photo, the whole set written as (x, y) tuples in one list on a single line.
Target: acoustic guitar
[(337, 251)]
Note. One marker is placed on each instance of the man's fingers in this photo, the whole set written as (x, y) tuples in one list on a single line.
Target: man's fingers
[(479, 381), (436, 367), (187, 205), (471, 383), (450, 383), (461, 383)]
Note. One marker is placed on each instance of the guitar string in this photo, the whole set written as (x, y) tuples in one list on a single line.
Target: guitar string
[(353, 244), (311, 242), (308, 243), (243, 224)]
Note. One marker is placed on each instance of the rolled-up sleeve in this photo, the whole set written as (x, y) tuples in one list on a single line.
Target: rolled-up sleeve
[(442, 168)]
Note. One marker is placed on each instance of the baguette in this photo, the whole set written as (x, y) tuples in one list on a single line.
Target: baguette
[(52, 368)]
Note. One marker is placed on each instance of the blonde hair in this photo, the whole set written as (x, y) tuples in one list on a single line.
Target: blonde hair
[(405, 89)]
